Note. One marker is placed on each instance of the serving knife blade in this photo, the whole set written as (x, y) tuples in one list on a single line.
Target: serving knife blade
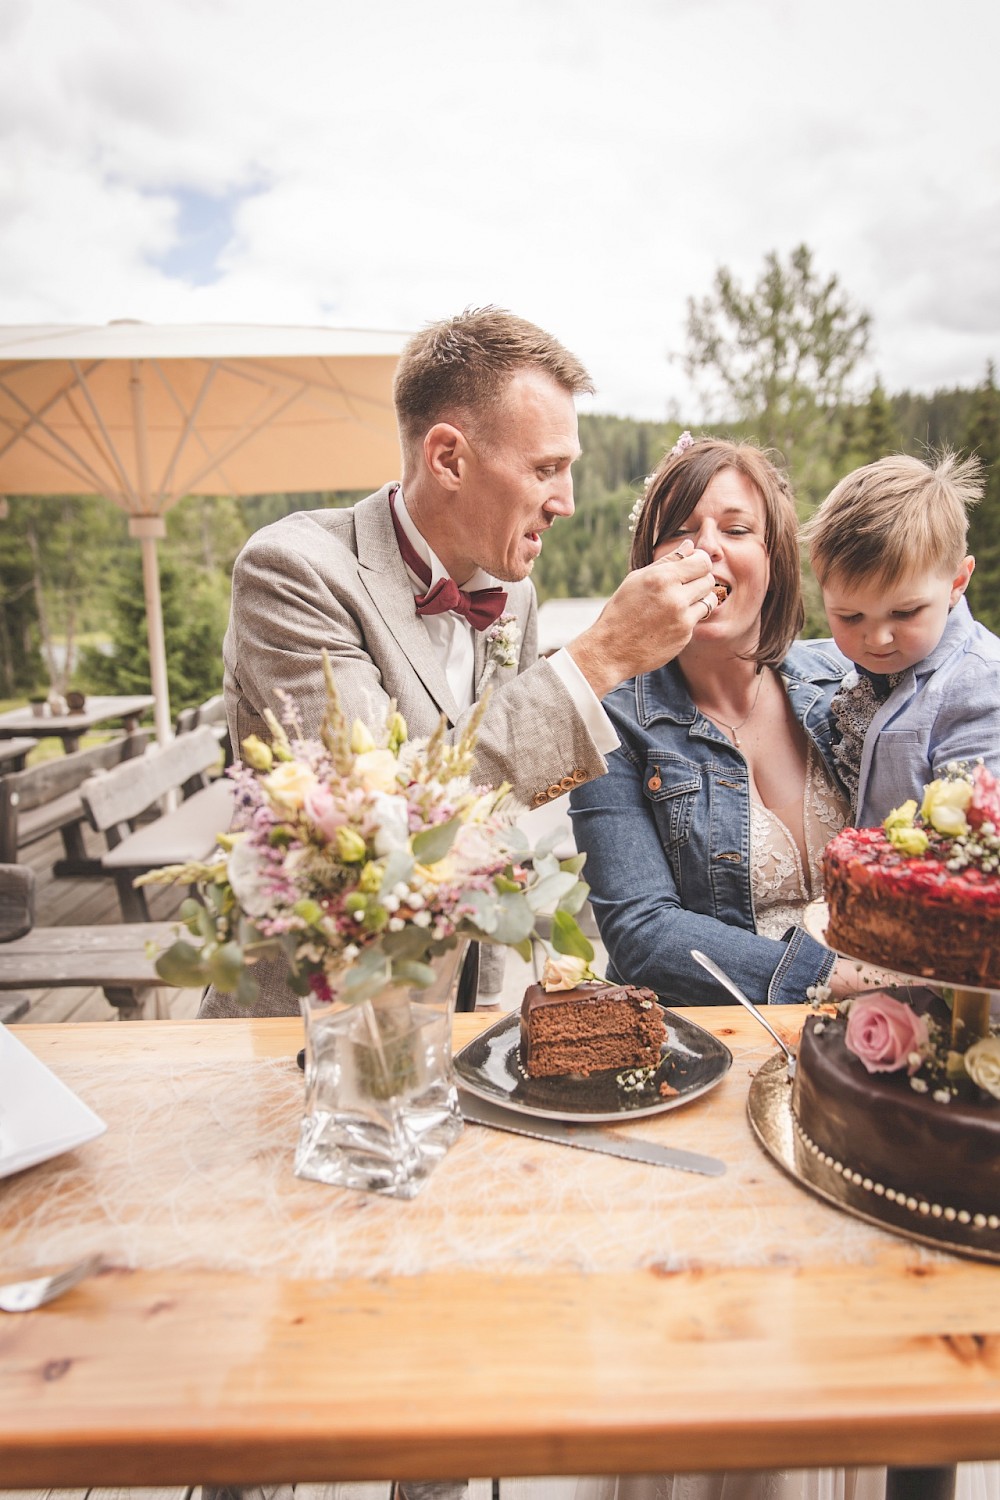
[(586, 1137)]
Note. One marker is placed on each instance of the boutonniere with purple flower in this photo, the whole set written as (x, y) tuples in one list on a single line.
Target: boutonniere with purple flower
[(503, 646)]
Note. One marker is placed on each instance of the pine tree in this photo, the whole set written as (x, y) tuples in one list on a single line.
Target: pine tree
[(982, 436)]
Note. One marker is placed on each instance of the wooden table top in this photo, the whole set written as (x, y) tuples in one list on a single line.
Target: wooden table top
[(97, 709), (616, 1317)]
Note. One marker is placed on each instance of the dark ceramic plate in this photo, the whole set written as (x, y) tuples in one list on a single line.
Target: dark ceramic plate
[(692, 1060)]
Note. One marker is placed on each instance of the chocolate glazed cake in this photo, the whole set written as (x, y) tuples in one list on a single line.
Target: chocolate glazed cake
[(939, 1158), (593, 1027)]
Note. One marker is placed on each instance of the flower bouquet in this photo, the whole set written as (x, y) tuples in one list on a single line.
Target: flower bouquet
[(365, 861)]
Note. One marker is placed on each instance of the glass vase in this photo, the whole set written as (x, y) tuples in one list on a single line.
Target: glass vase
[(381, 1106)]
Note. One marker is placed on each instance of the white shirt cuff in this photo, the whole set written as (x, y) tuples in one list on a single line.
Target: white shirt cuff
[(586, 702)]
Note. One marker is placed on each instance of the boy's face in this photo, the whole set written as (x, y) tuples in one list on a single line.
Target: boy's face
[(889, 627)]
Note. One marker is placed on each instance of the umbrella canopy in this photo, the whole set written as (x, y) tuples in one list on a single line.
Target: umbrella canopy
[(145, 415)]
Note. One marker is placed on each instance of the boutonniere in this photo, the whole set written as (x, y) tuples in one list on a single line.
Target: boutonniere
[(503, 644)]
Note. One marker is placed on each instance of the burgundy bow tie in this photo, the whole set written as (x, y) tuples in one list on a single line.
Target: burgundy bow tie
[(479, 606)]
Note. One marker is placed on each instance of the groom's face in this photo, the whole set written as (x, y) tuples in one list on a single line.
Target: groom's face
[(518, 479)]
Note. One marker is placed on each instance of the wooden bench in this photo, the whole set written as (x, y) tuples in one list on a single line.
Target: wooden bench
[(213, 713), (45, 798), (41, 958), (115, 799)]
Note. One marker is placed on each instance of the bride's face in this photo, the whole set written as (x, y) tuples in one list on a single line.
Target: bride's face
[(728, 523)]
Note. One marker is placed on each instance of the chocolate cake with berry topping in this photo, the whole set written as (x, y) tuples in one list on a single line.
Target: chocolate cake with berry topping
[(921, 895)]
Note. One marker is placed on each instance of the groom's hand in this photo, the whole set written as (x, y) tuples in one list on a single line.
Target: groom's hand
[(648, 620)]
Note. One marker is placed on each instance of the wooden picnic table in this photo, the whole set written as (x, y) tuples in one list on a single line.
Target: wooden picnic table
[(69, 727), (14, 752), (535, 1310)]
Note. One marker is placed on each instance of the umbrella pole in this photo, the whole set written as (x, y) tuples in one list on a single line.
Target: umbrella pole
[(147, 529)]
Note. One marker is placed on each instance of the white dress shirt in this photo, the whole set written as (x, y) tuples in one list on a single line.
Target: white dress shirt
[(453, 639)]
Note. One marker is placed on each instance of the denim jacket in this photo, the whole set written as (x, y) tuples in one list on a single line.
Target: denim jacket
[(669, 864), (945, 708)]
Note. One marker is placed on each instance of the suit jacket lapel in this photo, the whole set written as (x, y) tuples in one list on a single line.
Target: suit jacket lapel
[(384, 575)]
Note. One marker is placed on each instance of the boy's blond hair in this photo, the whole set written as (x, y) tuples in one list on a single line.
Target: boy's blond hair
[(893, 518)]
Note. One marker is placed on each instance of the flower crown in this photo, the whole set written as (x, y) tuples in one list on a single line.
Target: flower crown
[(683, 443)]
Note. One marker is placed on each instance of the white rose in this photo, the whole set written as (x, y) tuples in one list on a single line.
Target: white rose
[(376, 770), (392, 823), (982, 1063), (944, 806), (289, 783), (563, 973)]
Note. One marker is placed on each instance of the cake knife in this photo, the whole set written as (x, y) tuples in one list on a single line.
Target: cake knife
[(587, 1137)]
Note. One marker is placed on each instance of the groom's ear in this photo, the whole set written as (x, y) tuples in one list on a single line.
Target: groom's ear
[(445, 454)]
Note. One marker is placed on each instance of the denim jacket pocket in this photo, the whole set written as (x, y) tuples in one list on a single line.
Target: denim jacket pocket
[(671, 786)]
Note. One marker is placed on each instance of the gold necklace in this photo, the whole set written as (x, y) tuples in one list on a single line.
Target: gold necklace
[(734, 727)]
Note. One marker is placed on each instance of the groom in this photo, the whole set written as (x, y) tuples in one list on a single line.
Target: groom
[(421, 593)]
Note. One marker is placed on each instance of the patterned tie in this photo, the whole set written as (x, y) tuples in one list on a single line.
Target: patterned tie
[(479, 606)]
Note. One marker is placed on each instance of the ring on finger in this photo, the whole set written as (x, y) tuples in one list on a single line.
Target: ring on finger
[(708, 608)]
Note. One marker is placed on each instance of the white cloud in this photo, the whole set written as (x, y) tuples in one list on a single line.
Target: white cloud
[(588, 165)]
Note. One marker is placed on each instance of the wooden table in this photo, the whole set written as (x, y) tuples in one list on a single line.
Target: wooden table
[(70, 726), (14, 752), (562, 1347)]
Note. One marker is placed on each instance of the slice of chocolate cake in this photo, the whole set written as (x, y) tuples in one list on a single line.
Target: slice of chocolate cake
[(594, 1027)]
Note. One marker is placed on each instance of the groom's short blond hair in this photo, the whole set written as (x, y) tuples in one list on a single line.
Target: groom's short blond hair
[(460, 369)]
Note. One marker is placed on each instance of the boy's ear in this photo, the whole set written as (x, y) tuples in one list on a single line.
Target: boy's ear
[(961, 580)]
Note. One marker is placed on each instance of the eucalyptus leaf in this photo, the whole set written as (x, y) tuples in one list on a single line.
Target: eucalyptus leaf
[(550, 891), (420, 975), (567, 938), (225, 966), (181, 964), (574, 864), (516, 839), (549, 840), (398, 869), (575, 899), (515, 921), (484, 908), (544, 866), (433, 843)]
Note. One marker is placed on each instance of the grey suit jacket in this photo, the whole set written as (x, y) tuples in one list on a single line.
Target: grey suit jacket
[(335, 578)]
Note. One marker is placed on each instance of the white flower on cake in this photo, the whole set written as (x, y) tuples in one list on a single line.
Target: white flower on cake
[(982, 1063), (565, 972), (945, 804)]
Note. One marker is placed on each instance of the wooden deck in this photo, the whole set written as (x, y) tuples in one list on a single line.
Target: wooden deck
[(72, 903)]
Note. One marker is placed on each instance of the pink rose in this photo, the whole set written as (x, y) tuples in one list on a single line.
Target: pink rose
[(985, 804), (885, 1034), (322, 811)]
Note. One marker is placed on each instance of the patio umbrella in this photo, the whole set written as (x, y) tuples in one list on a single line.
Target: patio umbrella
[(146, 415)]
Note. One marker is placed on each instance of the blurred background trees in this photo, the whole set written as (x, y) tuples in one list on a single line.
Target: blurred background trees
[(782, 363)]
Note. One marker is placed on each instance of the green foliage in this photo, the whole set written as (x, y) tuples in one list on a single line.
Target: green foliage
[(194, 621), (982, 436)]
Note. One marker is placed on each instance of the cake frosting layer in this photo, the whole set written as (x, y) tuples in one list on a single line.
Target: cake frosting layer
[(945, 1155), (911, 912), (588, 1029)]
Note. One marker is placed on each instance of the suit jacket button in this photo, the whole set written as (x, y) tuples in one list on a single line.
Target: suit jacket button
[(539, 799), (579, 776), (567, 784), (555, 790)]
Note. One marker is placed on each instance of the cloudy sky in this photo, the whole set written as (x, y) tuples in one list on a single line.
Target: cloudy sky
[(589, 163)]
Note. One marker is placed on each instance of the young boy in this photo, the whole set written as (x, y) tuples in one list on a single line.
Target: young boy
[(888, 549)]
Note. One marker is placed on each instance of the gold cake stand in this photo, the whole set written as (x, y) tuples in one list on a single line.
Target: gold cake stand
[(769, 1107)]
